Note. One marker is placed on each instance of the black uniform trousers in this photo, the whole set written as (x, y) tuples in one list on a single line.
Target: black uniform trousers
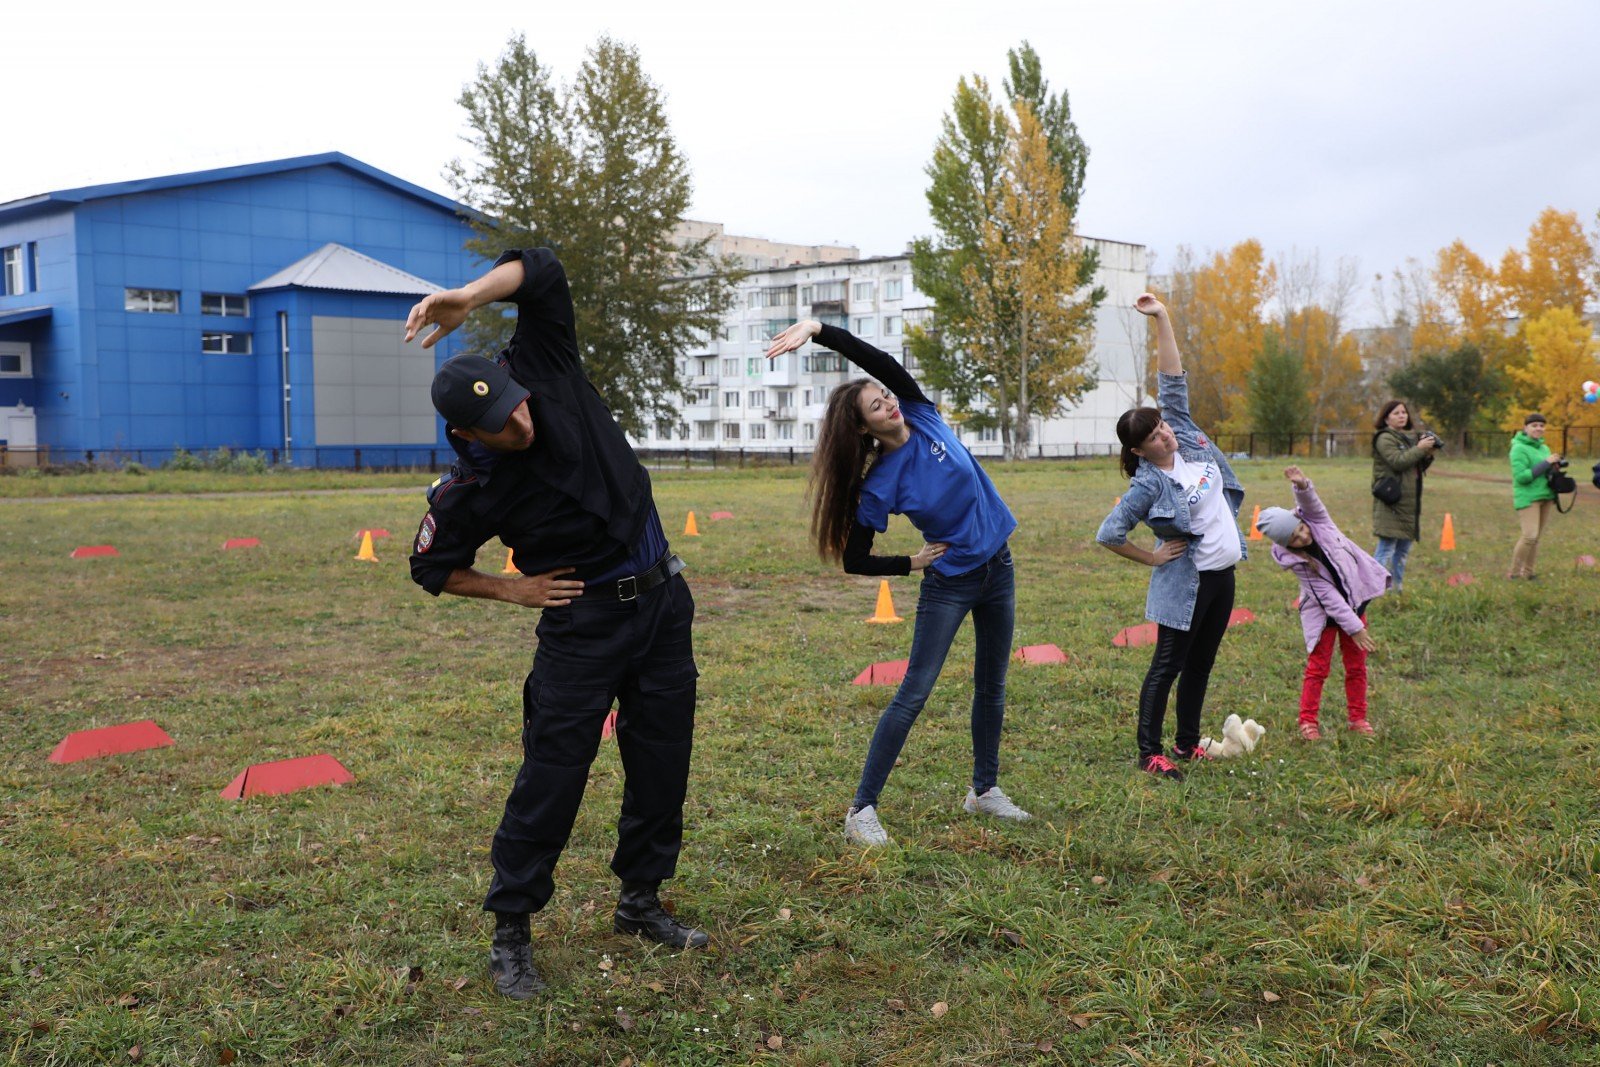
[(598, 649)]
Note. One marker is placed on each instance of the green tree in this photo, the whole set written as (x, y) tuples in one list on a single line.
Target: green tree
[(1450, 390), (967, 263), (593, 172), (1280, 403)]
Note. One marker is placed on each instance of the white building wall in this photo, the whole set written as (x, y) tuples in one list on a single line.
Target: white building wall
[(734, 399)]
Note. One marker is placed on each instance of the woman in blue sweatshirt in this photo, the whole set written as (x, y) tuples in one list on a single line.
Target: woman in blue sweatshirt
[(883, 450)]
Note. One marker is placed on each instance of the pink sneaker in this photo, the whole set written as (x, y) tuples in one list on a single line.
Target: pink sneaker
[(1161, 766)]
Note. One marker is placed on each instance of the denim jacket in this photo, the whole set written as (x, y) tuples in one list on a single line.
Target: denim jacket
[(1153, 499)]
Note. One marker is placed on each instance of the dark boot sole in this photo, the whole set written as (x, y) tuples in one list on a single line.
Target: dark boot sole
[(622, 926)]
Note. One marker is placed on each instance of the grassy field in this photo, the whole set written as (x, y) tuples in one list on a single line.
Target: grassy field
[(1427, 897)]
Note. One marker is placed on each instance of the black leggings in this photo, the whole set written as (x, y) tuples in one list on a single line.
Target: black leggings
[(1185, 656)]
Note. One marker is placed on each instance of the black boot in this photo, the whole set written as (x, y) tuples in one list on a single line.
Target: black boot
[(639, 911), (511, 959)]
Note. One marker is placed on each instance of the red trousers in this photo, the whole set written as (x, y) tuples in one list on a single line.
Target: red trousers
[(1320, 662)]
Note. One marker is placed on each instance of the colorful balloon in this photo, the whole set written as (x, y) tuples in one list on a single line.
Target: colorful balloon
[(1590, 398), (1591, 386)]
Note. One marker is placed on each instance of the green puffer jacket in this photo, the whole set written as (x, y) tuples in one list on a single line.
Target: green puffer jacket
[(1526, 486), (1396, 453)]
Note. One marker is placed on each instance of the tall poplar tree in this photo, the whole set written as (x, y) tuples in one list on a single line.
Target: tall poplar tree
[(973, 348), (592, 171)]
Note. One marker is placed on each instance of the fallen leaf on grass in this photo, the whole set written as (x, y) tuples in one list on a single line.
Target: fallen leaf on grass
[(343, 1010), (774, 1042), (624, 1020), (413, 975), (1012, 938), (655, 987), (227, 1056), (627, 1061), (895, 1004), (1270, 997), (1082, 1022), (939, 1008), (127, 1000), (36, 973), (459, 983), (1163, 875), (1488, 945), (784, 914), (39, 1026), (1044, 1044), (1098, 879), (471, 1011), (1363, 881), (606, 965), (136, 1053)]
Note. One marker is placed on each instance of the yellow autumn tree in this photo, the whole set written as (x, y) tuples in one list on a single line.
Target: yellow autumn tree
[(1333, 371), (1469, 288), (1554, 271), (1562, 354), (1219, 313), (1027, 306)]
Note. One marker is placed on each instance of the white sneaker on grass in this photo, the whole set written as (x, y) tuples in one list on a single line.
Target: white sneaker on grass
[(994, 802), (861, 827)]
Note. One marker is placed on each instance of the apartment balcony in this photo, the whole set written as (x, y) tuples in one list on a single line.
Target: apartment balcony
[(781, 414)]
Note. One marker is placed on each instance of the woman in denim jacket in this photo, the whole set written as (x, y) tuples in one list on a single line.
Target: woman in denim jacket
[(1183, 489)]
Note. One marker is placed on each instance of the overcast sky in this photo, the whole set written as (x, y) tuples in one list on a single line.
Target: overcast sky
[(1370, 130)]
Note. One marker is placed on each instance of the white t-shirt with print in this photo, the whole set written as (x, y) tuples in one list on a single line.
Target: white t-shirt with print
[(1211, 522)]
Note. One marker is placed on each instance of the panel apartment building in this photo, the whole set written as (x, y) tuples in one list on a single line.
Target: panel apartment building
[(734, 399)]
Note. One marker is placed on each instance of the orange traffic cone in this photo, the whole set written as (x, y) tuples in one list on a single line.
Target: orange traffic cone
[(366, 552), (509, 569), (1255, 533), (1447, 541), (885, 609), (689, 528)]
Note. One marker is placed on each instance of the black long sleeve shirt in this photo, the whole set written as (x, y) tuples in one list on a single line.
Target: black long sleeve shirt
[(858, 557)]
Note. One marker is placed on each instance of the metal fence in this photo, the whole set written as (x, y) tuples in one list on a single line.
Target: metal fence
[(1490, 442)]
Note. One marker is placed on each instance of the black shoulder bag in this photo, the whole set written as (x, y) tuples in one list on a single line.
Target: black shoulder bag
[(1561, 482)]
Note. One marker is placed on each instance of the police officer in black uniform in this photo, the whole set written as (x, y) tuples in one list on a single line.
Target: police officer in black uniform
[(542, 464)]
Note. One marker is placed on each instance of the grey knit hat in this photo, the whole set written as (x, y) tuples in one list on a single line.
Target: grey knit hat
[(1279, 524)]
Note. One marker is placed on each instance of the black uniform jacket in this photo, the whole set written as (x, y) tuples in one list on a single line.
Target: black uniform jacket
[(577, 497)]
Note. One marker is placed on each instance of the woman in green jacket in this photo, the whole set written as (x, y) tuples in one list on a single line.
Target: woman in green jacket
[(1398, 454), (1531, 495)]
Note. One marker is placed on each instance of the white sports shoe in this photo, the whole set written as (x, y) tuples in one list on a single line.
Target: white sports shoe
[(861, 827), (994, 802)]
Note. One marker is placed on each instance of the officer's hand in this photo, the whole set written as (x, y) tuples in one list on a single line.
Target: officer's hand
[(445, 310), (547, 590)]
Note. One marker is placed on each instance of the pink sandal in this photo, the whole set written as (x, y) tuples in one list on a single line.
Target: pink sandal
[(1310, 731), (1362, 726)]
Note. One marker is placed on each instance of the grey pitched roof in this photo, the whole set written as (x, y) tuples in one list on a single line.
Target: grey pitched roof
[(333, 266)]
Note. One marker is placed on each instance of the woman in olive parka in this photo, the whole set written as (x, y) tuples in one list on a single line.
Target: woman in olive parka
[(1400, 453)]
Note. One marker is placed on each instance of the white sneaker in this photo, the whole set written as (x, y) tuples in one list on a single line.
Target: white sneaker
[(861, 827), (994, 802)]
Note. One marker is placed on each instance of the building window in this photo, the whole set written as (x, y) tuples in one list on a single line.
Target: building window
[(824, 292), (989, 433), (893, 326), (807, 397), (758, 398), (754, 299), (861, 292), (16, 360), (907, 360), (155, 301), (705, 431), (785, 398), (12, 281), (865, 325), (758, 431), (225, 344), (785, 431), (730, 399), (683, 431), (752, 366), (730, 431), (730, 367), (753, 333), (664, 429), (811, 431), (226, 305), (891, 289), (823, 362)]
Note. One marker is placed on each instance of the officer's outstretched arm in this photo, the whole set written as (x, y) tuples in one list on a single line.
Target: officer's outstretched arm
[(448, 309)]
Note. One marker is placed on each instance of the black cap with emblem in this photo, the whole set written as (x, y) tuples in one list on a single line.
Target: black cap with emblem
[(474, 392)]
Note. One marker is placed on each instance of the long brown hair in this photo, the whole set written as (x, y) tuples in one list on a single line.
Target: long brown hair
[(845, 452), (1383, 415), (1135, 425)]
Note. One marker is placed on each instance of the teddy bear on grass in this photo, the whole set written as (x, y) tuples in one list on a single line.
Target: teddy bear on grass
[(1238, 738)]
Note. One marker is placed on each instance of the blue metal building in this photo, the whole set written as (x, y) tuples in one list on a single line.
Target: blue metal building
[(253, 307)]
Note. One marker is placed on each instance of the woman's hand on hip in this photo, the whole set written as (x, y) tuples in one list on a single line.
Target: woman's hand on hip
[(1167, 551), (931, 551)]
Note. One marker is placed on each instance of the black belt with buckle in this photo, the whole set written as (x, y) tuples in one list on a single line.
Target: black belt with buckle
[(630, 587)]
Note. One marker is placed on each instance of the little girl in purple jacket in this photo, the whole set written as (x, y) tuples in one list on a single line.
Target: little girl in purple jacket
[(1338, 579)]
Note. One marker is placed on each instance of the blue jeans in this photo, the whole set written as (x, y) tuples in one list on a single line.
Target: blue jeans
[(988, 593), (1392, 553)]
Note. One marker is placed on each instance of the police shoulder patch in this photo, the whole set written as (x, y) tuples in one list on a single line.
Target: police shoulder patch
[(425, 533)]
